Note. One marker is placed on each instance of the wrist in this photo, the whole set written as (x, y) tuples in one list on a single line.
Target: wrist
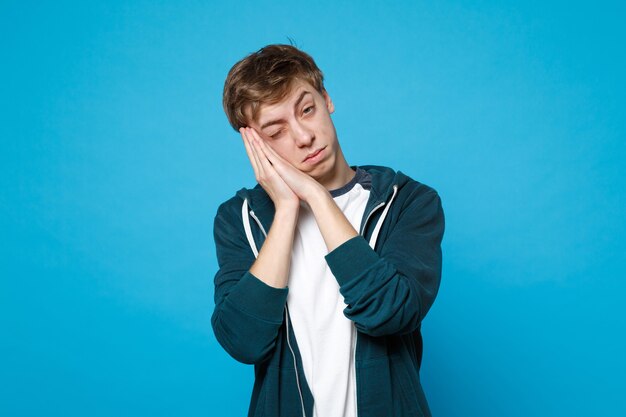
[(314, 193), (287, 211)]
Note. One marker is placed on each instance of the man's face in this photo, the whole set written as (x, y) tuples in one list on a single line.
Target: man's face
[(300, 130)]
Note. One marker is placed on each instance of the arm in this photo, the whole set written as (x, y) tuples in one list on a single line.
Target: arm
[(333, 225), (335, 228), (391, 292), (272, 264), (250, 294), (386, 293), (248, 312)]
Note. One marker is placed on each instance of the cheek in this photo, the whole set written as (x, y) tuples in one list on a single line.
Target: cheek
[(281, 148), (329, 131), (327, 124)]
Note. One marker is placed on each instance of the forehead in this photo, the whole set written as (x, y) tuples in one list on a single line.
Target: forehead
[(299, 92)]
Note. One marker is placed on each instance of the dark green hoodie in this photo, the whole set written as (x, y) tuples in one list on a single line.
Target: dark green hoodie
[(388, 290)]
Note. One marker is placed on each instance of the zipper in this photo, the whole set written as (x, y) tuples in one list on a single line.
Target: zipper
[(295, 363), (370, 215), (355, 336), (356, 395), (354, 331)]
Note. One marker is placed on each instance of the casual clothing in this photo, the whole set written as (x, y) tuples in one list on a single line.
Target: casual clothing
[(316, 307), (388, 277)]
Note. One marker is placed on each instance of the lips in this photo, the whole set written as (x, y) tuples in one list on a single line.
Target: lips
[(313, 154)]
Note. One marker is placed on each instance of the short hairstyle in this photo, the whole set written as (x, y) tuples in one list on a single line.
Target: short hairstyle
[(265, 77)]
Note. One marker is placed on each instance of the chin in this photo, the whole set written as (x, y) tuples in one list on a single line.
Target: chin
[(322, 169)]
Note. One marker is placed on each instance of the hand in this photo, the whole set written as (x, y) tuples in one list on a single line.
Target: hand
[(266, 175), (303, 185)]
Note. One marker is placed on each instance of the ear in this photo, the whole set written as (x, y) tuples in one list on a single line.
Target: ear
[(329, 103)]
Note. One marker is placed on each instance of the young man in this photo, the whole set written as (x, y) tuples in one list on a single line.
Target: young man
[(326, 270)]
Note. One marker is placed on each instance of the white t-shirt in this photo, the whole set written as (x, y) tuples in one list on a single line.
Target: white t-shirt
[(326, 338)]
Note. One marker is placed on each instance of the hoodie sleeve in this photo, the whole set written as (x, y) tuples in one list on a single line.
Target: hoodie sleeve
[(248, 313), (390, 292)]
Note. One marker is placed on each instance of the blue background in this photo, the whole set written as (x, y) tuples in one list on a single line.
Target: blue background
[(116, 153)]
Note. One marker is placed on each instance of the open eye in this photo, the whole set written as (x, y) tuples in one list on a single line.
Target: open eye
[(308, 109)]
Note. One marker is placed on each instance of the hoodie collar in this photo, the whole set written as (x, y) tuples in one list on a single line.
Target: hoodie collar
[(383, 180)]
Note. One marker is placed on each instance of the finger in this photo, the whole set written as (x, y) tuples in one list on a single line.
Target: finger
[(279, 164), (252, 154), (270, 153), (249, 151), (261, 150), (267, 150), (255, 152)]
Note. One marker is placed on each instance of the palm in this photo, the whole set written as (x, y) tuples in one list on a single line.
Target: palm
[(266, 174), (298, 181)]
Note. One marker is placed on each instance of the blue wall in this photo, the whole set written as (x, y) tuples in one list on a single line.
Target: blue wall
[(115, 154)]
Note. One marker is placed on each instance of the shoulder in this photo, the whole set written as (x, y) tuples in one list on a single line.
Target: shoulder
[(388, 177), (230, 210), (413, 198), (418, 189)]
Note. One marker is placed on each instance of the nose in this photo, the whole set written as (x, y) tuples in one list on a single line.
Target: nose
[(303, 135)]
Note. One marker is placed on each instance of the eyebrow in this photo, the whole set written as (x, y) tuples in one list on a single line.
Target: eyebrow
[(278, 121)]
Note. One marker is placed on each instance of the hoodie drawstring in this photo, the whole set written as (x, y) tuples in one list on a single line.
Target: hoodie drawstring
[(245, 215)]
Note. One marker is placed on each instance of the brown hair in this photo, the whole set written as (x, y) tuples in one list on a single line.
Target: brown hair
[(265, 77)]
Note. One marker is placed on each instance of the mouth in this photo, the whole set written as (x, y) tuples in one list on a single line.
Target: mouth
[(312, 157)]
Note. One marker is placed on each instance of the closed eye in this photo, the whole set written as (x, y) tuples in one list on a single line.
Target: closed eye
[(276, 134)]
